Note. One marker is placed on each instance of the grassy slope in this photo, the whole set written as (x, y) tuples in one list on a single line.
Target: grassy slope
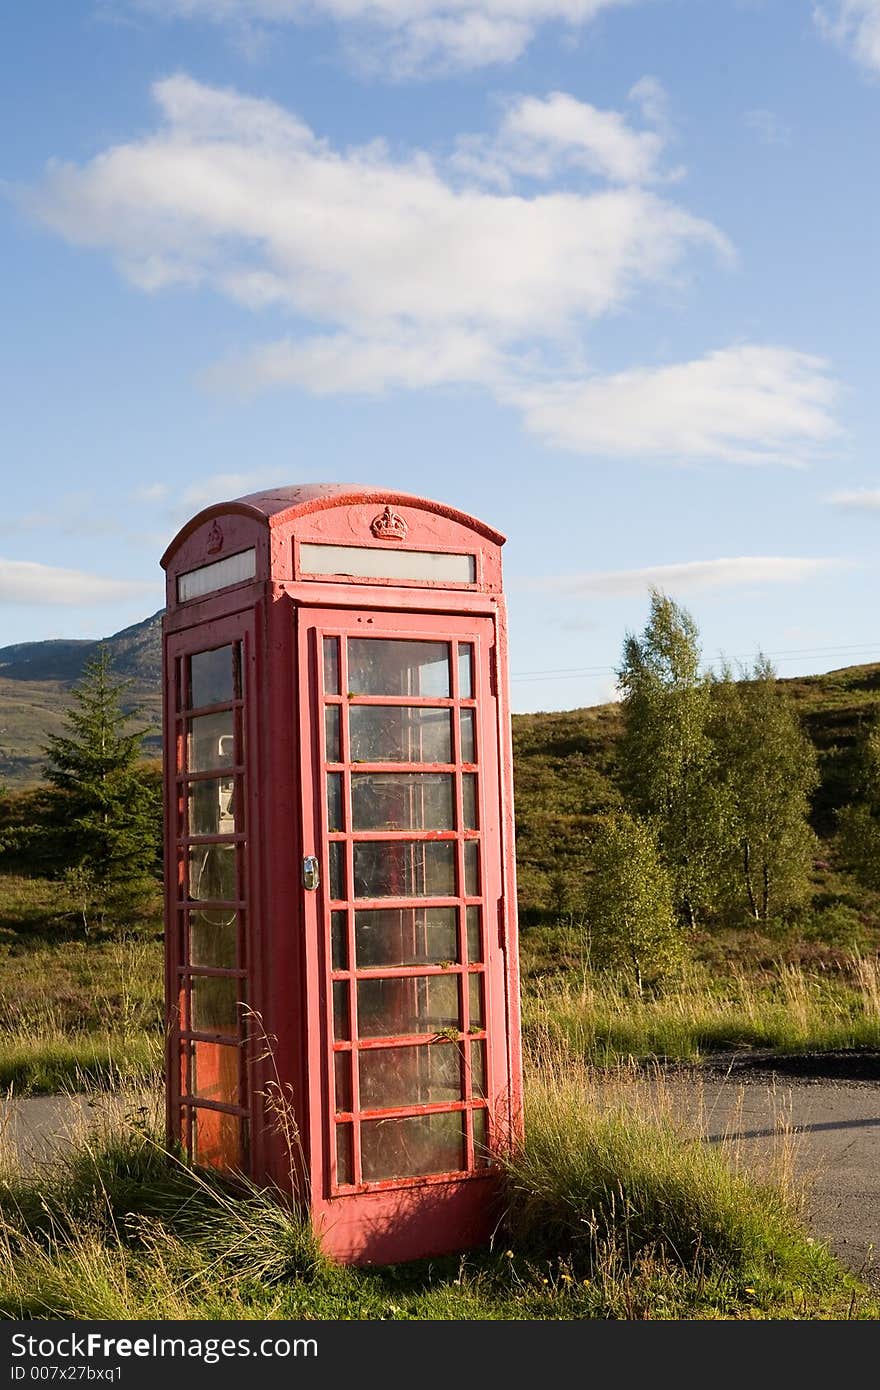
[(564, 778)]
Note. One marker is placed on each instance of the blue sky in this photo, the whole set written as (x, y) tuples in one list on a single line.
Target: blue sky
[(602, 272)]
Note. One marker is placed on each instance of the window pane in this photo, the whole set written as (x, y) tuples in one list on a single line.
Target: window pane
[(212, 806), (342, 1074), (337, 870), (404, 870), (213, 939), (469, 800), (393, 1008), (332, 745), (398, 1076), (216, 1072), (215, 1003), (468, 744), (212, 873), (482, 1157), (210, 742), (400, 734), (344, 1155), (339, 940), (478, 1069), (412, 1146), (341, 1020), (331, 665), (402, 801), (475, 989), (217, 1139), (211, 678), (465, 670), (377, 666), (405, 936), (474, 935), (471, 868), (334, 801)]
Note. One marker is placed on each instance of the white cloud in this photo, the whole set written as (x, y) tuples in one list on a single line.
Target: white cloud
[(863, 499), (855, 25), (398, 274), (690, 576), (239, 195), (746, 404), (539, 137), (23, 581), (345, 363), (398, 38)]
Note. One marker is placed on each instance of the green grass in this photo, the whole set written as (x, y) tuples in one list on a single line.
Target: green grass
[(74, 1011), (611, 1212), (784, 1007)]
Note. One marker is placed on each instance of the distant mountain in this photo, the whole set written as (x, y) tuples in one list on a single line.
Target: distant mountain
[(35, 683)]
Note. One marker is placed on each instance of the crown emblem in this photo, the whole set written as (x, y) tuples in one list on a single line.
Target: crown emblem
[(389, 526), (215, 539)]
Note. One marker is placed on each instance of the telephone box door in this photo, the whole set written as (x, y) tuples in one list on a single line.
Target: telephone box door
[(401, 812)]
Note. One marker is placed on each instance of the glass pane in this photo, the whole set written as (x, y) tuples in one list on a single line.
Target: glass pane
[(341, 1021), (344, 1156), (334, 801), (465, 670), (215, 1003), (337, 870), (213, 939), (475, 992), (402, 801), (331, 665), (216, 1072), (393, 1008), (404, 870), (217, 1139), (468, 743), (332, 744), (471, 868), (342, 1073), (210, 742), (469, 800), (398, 1076), (412, 1146), (217, 575), (478, 1069), (212, 873), (373, 563), (400, 734), (474, 935), (212, 806), (339, 940), (211, 678), (482, 1158), (377, 666), (405, 936)]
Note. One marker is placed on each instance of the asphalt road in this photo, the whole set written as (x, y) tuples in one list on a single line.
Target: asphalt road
[(824, 1120)]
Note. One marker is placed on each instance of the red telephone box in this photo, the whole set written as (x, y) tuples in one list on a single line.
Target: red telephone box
[(341, 967)]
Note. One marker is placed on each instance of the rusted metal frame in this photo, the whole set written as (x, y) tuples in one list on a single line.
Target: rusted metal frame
[(461, 909), (221, 706), (224, 972), (354, 1079), (414, 1112), (374, 1044), (406, 972), (211, 774), (371, 904), (455, 1175)]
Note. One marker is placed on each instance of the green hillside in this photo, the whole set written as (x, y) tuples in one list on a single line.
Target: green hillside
[(564, 777)]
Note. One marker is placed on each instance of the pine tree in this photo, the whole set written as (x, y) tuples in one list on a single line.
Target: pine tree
[(107, 817), (767, 770), (666, 754)]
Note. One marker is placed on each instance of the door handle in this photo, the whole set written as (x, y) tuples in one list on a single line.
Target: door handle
[(311, 876)]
